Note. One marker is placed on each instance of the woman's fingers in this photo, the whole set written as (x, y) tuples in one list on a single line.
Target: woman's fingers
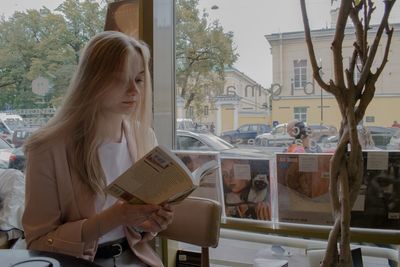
[(136, 214)]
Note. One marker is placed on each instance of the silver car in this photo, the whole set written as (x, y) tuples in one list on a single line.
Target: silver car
[(204, 141)]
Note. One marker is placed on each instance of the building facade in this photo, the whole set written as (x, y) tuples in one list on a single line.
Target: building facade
[(299, 97), (242, 101)]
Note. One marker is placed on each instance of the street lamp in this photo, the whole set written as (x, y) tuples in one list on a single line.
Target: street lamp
[(321, 73)]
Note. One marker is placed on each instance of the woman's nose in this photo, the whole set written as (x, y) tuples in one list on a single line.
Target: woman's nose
[(133, 89)]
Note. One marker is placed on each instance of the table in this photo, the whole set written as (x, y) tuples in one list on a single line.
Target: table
[(33, 258)]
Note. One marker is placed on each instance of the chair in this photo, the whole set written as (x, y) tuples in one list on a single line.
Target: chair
[(197, 222)]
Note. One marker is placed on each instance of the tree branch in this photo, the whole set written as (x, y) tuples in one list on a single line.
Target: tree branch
[(371, 57), (7, 84), (337, 43), (386, 54), (358, 27)]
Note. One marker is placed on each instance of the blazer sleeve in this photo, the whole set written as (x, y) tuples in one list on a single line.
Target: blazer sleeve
[(42, 220)]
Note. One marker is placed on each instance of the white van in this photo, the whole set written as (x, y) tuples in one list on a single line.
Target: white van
[(8, 123), (185, 124)]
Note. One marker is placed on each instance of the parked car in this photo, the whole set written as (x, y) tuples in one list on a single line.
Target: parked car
[(278, 137), (17, 159), (185, 124), (394, 143), (381, 135), (320, 132), (5, 152), (246, 133), (21, 134), (204, 141)]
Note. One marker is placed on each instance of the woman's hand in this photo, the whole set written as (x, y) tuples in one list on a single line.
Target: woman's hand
[(158, 220), (135, 215)]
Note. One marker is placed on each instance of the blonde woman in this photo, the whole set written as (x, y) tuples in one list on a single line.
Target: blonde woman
[(103, 126)]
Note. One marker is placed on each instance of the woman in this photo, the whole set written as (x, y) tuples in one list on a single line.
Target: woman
[(103, 126)]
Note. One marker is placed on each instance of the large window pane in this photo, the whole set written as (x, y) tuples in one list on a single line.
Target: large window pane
[(256, 70), (40, 42)]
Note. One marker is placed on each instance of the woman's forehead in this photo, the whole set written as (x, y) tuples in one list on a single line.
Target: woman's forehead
[(135, 63)]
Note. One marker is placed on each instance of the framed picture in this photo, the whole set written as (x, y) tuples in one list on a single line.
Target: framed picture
[(303, 188), (378, 203), (246, 188), (124, 16), (209, 185)]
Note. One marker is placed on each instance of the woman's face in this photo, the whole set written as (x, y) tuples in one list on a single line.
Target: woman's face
[(123, 95), (235, 185)]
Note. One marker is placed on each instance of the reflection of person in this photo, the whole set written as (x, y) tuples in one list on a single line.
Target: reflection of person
[(212, 128), (365, 138), (241, 199), (102, 127), (396, 124), (302, 141)]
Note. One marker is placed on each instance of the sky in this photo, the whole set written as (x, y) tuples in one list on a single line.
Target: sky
[(249, 21)]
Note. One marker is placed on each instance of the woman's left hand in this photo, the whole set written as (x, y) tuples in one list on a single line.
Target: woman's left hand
[(157, 222)]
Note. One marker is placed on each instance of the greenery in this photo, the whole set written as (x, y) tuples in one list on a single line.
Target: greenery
[(203, 51), (44, 43), (47, 43)]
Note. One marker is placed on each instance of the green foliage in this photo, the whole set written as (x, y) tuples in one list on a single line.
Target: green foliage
[(44, 43), (203, 50)]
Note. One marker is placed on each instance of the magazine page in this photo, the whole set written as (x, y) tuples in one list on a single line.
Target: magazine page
[(303, 188), (378, 203), (156, 178), (197, 162), (246, 188)]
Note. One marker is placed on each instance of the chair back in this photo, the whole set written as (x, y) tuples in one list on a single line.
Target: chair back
[(196, 221)]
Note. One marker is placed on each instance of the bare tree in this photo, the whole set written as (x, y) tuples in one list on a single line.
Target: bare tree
[(353, 98)]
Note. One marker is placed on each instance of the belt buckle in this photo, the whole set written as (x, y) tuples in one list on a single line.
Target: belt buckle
[(119, 246)]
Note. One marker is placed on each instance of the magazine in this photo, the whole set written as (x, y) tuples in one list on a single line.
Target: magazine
[(159, 177)]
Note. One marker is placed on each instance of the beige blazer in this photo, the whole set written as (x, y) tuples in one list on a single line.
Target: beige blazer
[(57, 204)]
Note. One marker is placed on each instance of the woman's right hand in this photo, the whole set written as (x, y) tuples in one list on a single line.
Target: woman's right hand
[(134, 215)]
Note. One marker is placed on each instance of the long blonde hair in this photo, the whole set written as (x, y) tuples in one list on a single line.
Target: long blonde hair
[(105, 54)]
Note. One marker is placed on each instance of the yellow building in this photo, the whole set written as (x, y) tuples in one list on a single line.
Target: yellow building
[(296, 94), (243, 101)]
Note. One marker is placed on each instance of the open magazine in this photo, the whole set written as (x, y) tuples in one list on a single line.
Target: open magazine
[(159, 177)]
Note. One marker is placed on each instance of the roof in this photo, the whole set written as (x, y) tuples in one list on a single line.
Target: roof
[(324, 32)]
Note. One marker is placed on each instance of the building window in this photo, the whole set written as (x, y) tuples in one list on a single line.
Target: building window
[(300, 73), (369, 118), (205, 110), (300, 113), (190, 112)]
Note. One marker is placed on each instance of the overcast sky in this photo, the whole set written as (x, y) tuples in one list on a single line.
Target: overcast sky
[(249, 20)]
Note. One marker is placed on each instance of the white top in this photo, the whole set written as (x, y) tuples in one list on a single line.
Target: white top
[(115, 160)]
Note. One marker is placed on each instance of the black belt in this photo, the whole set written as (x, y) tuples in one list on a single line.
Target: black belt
[(112, 249)]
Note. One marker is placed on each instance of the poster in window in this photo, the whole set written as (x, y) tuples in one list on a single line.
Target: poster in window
[(303, 188), (246, 188), (378, 203)]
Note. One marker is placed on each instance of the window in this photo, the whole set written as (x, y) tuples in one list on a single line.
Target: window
[(206, 110), (300, 73), (244, 129), (300, 113)]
